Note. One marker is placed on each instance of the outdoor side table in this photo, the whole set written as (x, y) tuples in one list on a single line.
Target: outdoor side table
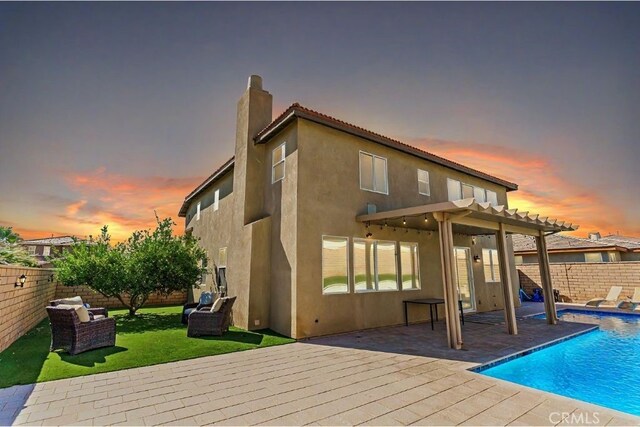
[(433, 305)]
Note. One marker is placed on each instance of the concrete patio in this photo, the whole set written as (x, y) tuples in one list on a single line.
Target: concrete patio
[(390, 376)]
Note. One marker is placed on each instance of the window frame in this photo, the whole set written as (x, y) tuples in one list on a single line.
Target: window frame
[(274, 163), (427, 182), (31, 249), (592, 253), (216, 200), (46, 250), (459, 189), (198, 210), (373, 172), (220, 252), (415, 279), (494, 265), (496, 197), (348, 291)]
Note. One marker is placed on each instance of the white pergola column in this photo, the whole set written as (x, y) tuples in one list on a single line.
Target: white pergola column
[(545, 279), (449, 281), (505, 279)]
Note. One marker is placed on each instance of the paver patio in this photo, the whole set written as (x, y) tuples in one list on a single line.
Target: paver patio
[(347, 379)]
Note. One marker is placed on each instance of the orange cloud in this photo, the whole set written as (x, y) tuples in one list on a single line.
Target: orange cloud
[(543, 187)]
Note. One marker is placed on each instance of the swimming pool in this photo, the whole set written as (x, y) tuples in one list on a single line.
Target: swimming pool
[(601, 366)]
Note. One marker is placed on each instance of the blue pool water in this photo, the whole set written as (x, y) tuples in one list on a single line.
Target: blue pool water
[(601, 367)]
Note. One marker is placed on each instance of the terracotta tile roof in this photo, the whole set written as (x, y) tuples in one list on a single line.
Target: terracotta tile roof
[(226, 166), (560, 243), (297, 110)]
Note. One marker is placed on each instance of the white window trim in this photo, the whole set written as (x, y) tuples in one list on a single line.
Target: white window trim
[(274, 164), (198, 206), (322, 265), (428, 193), (373, 172), (374, 269), (46, 251), (492, 265), (400, 273), (216, 200)]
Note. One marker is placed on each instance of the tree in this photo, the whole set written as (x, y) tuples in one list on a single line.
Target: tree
[(11, 252), (147, 263)]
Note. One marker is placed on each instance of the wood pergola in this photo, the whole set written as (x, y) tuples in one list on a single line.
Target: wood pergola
[(472, 218)]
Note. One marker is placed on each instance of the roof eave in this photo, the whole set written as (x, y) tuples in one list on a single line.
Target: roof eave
[(294, 112), (222, 170)]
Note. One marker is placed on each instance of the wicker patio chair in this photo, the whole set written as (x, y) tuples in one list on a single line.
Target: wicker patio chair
[(204, 322), (205, 301), (68, 333), (97, 312)]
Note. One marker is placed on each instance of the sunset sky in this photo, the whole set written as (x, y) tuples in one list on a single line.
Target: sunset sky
[(109, 111)]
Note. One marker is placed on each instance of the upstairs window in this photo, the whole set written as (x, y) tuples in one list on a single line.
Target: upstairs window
[(479, 194), (277, 163), (423, 183), (491, 266), (46, 250), (492, 198), (222, 257), (198, 212), (373, 173), (454, 189), (32, 250), (216, 200)]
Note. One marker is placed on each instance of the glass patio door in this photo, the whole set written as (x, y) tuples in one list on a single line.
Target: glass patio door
[(464, 277)]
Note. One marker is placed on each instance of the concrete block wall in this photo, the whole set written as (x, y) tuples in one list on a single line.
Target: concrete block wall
[(23, 308), (582, 281), (98, 300)]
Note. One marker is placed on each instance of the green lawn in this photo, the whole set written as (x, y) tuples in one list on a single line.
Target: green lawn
[(154, 335)]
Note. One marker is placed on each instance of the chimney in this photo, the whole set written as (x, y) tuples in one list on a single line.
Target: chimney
[(594, 235), (254, 114)]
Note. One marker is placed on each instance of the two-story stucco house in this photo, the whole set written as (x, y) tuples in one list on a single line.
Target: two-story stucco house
[(324, 227)]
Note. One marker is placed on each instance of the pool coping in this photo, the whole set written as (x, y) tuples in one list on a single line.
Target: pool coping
[(510, 357)]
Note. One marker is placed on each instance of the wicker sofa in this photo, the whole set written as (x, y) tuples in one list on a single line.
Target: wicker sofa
[(204, 322), (70, 334)]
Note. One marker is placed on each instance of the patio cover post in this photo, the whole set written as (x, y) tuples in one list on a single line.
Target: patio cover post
[(454, 331), (505, 278), (545, 278)]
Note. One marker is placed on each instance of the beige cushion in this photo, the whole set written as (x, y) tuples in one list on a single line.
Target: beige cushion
[(71, 301), (217, 304), (98, 316), (81, 311)]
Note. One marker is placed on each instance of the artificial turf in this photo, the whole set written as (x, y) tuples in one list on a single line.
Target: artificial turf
[(152, 336)]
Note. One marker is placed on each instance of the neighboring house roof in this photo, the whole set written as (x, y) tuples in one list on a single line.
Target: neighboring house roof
[(631, 243), (226, 166), (298, 111), (560, 243), (52, 241)]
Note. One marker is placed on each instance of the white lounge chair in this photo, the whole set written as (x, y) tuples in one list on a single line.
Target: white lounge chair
[(612, 296), (631, 303)]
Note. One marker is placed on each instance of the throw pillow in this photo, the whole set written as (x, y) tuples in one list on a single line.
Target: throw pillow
[(216, 305), (71, 301), (83, 313)]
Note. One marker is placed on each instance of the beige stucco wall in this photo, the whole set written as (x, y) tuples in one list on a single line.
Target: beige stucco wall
[(329, 198)]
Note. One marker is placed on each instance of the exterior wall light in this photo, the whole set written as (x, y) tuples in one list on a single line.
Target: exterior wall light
[(476, 258), (20, 282), (404, 221)]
